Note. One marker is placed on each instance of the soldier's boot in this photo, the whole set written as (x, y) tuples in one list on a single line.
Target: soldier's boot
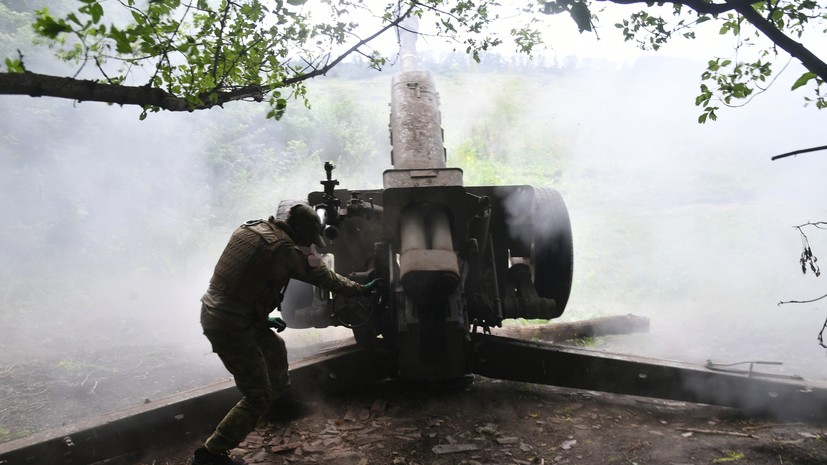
[(287, 408), (202, 456)]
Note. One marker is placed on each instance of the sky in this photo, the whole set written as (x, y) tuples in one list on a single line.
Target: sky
[(561, 37)]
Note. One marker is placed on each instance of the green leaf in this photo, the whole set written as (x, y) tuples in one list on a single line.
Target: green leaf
[(14, 66), (122, 41), (582, 16), (804, 79), (73, 18), (96, 11), (46, 26)]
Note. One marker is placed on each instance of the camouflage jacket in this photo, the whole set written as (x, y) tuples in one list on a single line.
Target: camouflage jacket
[(252, 272)]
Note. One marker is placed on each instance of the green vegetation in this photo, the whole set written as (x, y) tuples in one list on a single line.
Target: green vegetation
[(587, 342), (189, 55), (730, 456), (12, 434)]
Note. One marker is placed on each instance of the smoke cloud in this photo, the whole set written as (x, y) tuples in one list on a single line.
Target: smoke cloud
[(111, 230), (688, 224), (112, 227)]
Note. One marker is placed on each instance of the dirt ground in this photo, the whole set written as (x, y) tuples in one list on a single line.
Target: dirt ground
[(501, 422), (487, 422), (40, 394)]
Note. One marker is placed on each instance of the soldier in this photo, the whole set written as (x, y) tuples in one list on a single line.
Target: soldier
[(248, 283)]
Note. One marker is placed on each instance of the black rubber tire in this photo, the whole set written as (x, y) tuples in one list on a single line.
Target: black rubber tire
[(553, 254)]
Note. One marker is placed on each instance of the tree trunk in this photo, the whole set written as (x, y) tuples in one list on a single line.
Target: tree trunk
[(603, 326)]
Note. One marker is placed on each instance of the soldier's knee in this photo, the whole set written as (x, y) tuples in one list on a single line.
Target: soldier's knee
[(259, 399), (272, 346)]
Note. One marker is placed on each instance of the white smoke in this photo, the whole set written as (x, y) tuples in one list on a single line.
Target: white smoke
[(687, 224)]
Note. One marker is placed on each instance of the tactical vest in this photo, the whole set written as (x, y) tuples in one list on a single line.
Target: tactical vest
[(245, 271)]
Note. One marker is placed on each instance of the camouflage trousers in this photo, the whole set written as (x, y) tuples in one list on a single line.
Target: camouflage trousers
[(257, 359)]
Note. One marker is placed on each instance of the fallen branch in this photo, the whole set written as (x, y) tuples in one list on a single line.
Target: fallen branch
[(603, 326), (718, 432), (771, 425), (285, 447), (442, 449)]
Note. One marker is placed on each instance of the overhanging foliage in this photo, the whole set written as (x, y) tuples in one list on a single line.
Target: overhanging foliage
[(197, 54)]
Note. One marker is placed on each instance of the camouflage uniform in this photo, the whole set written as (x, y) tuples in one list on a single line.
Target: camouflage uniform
[(248, 284)]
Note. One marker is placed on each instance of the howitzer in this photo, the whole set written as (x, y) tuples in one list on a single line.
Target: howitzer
[(458, 258), (454, 258)]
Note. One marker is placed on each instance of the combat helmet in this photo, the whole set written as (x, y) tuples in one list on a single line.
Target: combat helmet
[(306, 224)]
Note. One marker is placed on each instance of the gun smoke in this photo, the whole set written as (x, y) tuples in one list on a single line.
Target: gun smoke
[(111, 227)]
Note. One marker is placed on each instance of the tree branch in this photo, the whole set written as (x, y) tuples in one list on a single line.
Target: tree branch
[(41, 85), (701, 6), (745, 8), (798, 152), (323, 70), (801, 301), (795, 49)]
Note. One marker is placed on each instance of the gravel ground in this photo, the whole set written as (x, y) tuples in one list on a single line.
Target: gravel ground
[(500, 422)]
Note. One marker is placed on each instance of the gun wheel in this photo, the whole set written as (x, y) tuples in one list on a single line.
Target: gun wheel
[(352, 313), (552, 257)]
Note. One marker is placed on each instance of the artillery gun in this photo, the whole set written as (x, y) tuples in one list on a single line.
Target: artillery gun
[(454, 258)]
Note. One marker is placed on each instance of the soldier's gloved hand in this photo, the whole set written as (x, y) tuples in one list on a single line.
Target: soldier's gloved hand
[(276, 322), (369, 287)]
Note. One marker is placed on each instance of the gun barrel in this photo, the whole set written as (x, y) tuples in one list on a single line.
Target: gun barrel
[(415, 122)]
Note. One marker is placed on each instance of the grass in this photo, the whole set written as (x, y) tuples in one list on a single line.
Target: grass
[(7, 435), (730, 456)]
